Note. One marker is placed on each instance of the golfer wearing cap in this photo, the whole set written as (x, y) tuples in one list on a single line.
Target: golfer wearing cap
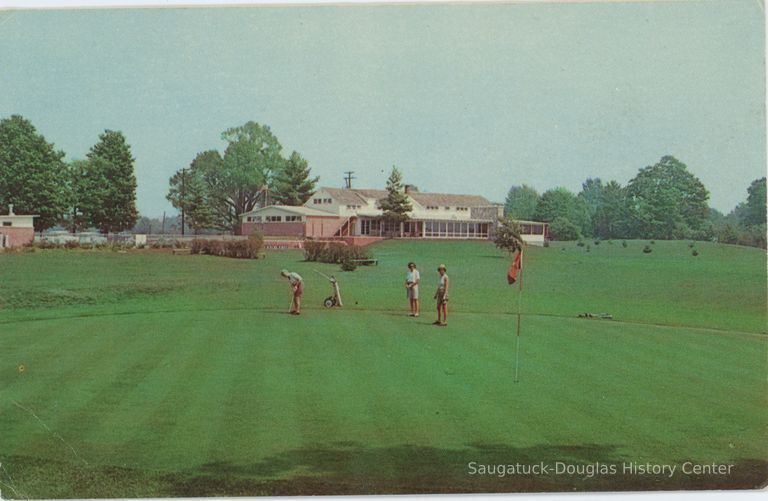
[(442, 297), (412, 288), (297, 284)]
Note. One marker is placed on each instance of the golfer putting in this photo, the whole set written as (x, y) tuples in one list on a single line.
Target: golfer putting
[(297, 285)]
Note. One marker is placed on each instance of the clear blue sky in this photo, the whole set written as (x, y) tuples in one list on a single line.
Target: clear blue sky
[(462, 98)]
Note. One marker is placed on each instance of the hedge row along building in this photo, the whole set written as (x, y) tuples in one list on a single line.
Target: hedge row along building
[(354, 215)]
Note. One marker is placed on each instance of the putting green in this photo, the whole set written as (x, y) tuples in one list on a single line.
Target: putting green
[(147, 374)]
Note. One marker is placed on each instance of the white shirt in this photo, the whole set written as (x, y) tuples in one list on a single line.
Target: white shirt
[(413, 276)]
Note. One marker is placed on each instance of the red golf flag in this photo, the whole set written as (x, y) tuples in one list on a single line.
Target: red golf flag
[(514, 270)]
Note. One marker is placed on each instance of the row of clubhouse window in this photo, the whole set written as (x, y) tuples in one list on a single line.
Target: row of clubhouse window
[(273, 219), (445, 229)]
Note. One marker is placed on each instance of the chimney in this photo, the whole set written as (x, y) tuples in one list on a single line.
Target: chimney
[(10, 210)]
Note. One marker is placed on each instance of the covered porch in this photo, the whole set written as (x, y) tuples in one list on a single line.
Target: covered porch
[(426, 228)]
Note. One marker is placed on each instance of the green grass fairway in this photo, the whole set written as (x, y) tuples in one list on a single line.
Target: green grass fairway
[(145, 374)]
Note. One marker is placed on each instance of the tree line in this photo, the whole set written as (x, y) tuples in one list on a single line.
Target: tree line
[(216, 189), (663, 201), (98, 191)]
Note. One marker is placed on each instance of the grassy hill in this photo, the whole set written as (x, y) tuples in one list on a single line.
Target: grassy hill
[(147, 374)]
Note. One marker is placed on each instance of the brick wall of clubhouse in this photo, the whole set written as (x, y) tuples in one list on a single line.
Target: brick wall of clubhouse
[(283, 244), (362, 241), (314, 226), (275, 229), (323, 227), (18, 236)]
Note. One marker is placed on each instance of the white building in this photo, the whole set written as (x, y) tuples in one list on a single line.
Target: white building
[(354, 215)]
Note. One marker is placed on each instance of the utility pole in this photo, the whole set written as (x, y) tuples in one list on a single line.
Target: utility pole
[(183, 200), (348, 179)]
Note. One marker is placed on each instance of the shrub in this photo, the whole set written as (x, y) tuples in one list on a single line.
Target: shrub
[(47, 244), (653, 242), (694, 252), (312, 250), (597, 242), (333, 252), (256, 239), (546, 243), (215, 247), (690, 245), (580, 243), (647, 249), (348, 265), (563, 229), (240, 249), (588, 247), (624, 243), (72, 244)]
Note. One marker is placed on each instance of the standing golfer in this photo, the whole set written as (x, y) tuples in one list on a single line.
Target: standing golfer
[(297, 284), (412, 288), (442, 297)]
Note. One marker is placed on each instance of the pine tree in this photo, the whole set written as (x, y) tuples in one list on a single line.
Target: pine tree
[(396, 205), (187, 193), (293, 186), (111, 203)]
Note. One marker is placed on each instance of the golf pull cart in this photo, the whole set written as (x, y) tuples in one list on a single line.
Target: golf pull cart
[(335, 299)]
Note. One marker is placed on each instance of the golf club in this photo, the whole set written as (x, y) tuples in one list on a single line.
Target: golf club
[(323, 274)]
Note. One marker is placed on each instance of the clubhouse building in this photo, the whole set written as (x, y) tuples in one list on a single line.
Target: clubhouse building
[(353, 215)]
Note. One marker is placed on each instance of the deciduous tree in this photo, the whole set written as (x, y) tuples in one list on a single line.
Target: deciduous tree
[(563, 229), (235, 182), (521, 203), (666, 201), (611, 218), (755, 210), (111, 197), (559, 202), (32, 173)]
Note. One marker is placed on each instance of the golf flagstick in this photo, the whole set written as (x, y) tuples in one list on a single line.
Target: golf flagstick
[(519, 302)]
